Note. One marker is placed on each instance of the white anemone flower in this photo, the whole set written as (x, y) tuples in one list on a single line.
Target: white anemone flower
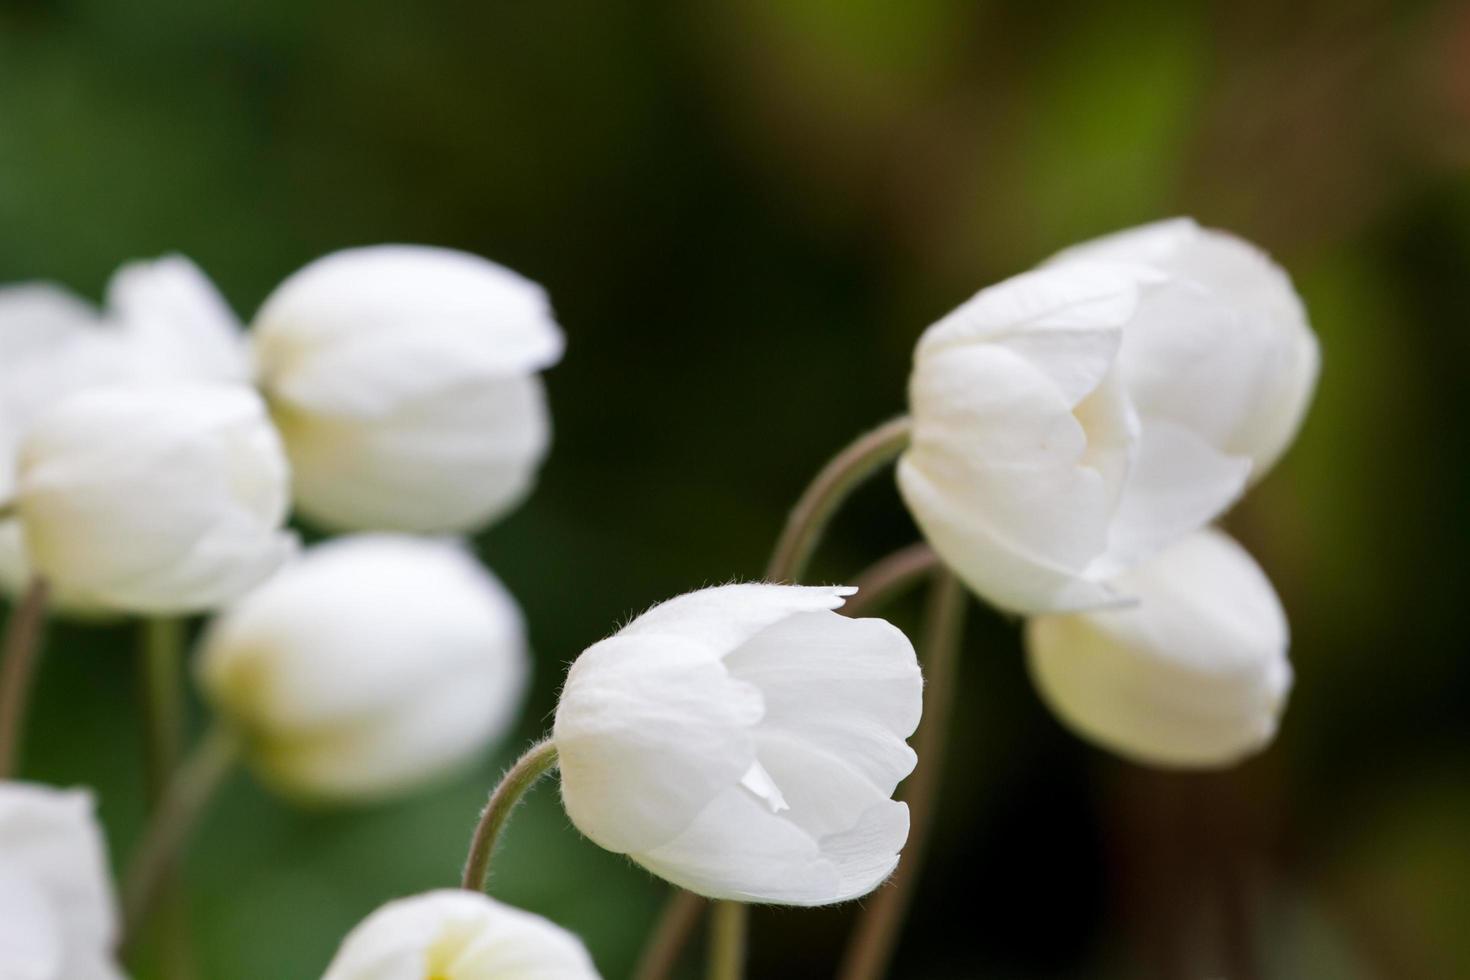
[(459, 935), (369, 666), (58, 919), (744, 742), (166, 499), (1194, 675), (1072, 421), (404, 380)]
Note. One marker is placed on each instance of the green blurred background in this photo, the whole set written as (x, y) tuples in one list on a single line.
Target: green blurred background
[(745, 213)]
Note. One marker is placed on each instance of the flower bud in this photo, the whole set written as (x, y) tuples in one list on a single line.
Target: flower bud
[(1224, 349), (1194, 675), (1072, 421), (162, 499), (462, 935), (175, 324), (57, 915), (743, 742), (404, 382), (369, 666)]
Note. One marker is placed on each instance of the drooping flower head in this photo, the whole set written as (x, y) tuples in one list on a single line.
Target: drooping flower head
[(159, 499), (371, 665), (1074, 420), (1194, 674), (459, 935), (744, 742), (404, 380)]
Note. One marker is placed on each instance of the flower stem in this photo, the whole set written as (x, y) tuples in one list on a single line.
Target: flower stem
[(887, 578), (193, 785), (161, 667), (22, 650), (878, 929), (728, 927), (539, 760), (809, 518), (661, 953)]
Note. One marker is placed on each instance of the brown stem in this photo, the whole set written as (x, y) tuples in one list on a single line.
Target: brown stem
[(22, 651), (881, 922), (888, 577), (661, 954)]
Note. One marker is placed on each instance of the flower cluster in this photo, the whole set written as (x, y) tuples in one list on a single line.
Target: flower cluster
[(1074, 434)]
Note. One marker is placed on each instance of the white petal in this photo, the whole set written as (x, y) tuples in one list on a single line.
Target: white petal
[(360, 330), (722, 618), (1179, 484), (1194, 675), (447, 462), (31, 944), (459, 934), (649, 730), (178, 326)]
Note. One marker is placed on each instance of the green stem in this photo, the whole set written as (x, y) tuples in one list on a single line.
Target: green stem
[(21, 652), (539, 760), (172, 823), (729, 924), (161, 670), (866, 455), (881, 922)]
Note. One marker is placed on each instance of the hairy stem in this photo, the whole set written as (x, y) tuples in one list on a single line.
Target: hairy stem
[(538, 760)]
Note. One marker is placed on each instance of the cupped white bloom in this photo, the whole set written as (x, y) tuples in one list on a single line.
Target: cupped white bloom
[(459, 935), (1223, 348), (368, 666), (57, 913), (166, 499), (404, 382), (1072, 421), (744, 742), (1194, 675)]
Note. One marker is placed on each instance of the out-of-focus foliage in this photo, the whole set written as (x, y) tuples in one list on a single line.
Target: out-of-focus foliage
[(745, 212)]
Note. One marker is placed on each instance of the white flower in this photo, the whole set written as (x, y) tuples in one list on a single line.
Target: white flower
[(372, 664), (458, 935), (743, 742), (164, 499), (1194, 675), (1224, 348), (1072, 421), (404, 382), (164, 322), (57, 915)]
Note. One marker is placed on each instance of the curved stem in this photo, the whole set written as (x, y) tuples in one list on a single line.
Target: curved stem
[(661, 954), (881, 582), (22, 651), (539, 760), (161, 668), (878, 929), (809, 518), (172, 823), (729, 924)]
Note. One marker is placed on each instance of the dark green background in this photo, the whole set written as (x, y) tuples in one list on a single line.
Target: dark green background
[(745, 213)]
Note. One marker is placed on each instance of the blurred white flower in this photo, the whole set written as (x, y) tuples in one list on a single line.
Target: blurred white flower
[(159, 499), (1222, 348), (1073, 420), (57, 915), (404, 382), (743, 742), (368, 666), (459, 935), (163, 322), (1194, 675)]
